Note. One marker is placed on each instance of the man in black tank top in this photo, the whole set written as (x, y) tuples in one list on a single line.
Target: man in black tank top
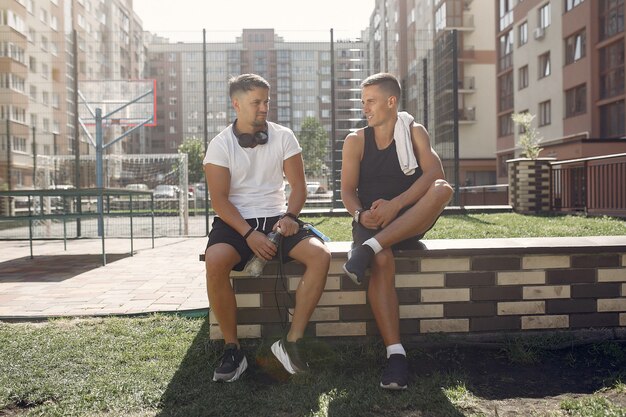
[(392, 181)]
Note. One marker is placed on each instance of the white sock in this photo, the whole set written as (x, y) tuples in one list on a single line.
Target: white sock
[(395, 349), (373, 243)]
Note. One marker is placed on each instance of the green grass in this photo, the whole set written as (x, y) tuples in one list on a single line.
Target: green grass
[(475, 226), (162, 366)]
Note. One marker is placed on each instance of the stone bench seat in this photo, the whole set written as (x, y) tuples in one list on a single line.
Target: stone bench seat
[(456, 286)]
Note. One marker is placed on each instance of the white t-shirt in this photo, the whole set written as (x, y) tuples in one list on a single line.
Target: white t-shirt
[(257, 188)]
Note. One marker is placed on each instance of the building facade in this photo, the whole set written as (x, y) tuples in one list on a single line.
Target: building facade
[(411, 39), (300, 74), (39, 68), (562, 61)]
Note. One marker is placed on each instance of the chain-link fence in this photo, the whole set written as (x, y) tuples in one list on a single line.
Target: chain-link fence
[(315, 92)]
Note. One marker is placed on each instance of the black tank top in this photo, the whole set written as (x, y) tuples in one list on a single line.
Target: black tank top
[(380, 175)]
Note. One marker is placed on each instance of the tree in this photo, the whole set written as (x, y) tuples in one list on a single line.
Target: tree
[(194, 148), (314, 141), (529, 138)]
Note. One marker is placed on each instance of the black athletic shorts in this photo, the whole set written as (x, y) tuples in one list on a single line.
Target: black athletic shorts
[(221, 232)]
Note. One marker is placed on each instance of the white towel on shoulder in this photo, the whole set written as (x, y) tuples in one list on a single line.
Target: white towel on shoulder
[(404, 144)]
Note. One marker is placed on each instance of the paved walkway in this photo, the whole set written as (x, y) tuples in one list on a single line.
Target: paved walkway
[(74, 282)]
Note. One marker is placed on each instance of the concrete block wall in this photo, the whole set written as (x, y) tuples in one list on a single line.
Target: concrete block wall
[(456, 286)]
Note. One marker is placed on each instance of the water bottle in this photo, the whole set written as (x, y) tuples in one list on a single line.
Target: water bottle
[(256, 264)]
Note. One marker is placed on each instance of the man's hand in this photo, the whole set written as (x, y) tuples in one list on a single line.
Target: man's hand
[(384, 212), (368, 220), (288, 226), (261, 245)]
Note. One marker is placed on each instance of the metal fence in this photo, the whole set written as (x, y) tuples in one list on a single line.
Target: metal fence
[(315, 92), (595, 186)]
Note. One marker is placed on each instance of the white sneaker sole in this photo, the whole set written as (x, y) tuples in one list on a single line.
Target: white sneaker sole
[(282, 357), (393, 386), (352, 276), (242, 367)]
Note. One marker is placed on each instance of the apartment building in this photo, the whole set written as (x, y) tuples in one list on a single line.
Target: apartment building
[(38, 70), (412, 39), (563, 61), (299, 73)]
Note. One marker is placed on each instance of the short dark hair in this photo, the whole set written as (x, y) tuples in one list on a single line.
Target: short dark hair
[(386, 81), (246, 82)]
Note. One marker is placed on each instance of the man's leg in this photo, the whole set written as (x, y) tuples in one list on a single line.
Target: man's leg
[(383, 298), (418, 218), (384, 303), (219, 261), (415, 221), (316, 258)]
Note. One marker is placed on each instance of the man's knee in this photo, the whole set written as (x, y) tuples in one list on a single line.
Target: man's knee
[(384, 260), (219, 262), (442, 190), (312, 254)]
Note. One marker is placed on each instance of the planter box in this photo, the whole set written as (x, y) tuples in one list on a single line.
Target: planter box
[(529, 185)]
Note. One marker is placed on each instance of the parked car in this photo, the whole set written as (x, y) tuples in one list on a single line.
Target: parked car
[(198, 189), (137, 187), (312, 187), (166, 191)]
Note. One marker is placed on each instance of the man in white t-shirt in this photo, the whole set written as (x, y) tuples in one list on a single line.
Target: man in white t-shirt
[(244, 166)]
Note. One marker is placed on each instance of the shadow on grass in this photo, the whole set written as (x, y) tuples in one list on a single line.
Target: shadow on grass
[(335, 386), (52, 268)]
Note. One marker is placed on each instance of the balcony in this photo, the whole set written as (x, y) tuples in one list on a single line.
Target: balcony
[(467, 85), (467, 115), (462, 23)]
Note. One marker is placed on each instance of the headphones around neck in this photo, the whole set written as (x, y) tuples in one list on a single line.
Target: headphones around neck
[(249, 140)]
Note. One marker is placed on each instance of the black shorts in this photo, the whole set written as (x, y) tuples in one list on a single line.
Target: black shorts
[(361, 233), (221, 232)]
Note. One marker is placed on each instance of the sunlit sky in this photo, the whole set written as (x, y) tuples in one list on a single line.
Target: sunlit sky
[(183, 20)]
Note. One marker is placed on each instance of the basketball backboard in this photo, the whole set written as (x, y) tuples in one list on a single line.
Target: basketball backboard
[(127, 103)]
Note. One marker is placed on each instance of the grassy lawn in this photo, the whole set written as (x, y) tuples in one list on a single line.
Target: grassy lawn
[(162, 366), (475, 226)]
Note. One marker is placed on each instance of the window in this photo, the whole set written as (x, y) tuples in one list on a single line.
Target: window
[(544, 16), (545, 113), (576, 101), (505, 125), (570, 4), (611, 18), (502, 165), (612, 119), (575, 47), (505, 91), (19, 144), (522, 77), (544, 65), (612, 70), (172, 115), (522, 34), (505, 51), (173, 101)]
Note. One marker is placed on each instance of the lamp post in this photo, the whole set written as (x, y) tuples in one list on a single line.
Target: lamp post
[(34, 157), (54, 150)]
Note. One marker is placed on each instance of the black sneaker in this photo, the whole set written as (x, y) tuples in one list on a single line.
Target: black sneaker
[(233, 364), (289, 355), (359, 260), (396, 373)]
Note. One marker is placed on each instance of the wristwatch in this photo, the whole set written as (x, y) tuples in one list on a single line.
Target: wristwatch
[(357, 215)]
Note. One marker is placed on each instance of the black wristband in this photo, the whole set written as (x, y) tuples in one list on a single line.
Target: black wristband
[(248, 233), (287, 214)]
